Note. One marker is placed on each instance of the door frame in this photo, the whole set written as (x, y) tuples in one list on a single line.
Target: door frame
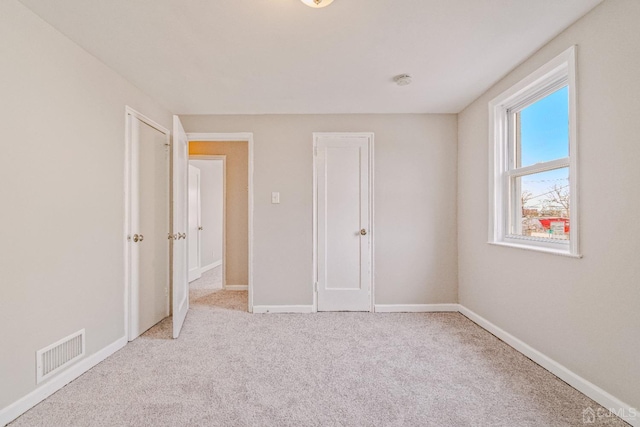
[(130, 114), (372, 228), (199, 222), (223, 158), (239, 137)]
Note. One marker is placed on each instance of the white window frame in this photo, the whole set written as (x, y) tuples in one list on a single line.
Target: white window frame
[(557, 73)]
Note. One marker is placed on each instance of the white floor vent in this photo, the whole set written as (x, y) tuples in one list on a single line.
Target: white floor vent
[(59, 355)]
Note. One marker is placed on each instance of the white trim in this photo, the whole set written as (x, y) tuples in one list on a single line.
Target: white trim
[(128, 170), (415, 308), (239, 136), (530, 247), (299, 309), (217, 136), (236, 288), (130, 111), (314, 272), (629, 414), (195, 273), (211, 266), (372, 224), (574, 380), (314, 230), (27, 402), (539, 167), (561, 69)]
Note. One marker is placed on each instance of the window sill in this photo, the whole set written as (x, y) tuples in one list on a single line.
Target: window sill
[(536, 249)]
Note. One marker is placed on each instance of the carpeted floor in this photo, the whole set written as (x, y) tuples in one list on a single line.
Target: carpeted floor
[(232, 368), (211, 279)]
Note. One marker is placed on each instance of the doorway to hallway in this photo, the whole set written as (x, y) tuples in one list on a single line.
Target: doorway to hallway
[(234, 152)]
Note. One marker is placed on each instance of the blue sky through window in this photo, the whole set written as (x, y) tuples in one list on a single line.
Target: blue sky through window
[(545, 129), (545, 136)]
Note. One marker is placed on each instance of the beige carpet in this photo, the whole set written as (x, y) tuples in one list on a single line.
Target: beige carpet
[(211, 279), (232, 368)]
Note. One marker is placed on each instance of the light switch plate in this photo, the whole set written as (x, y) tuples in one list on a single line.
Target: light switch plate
[(275, 197)]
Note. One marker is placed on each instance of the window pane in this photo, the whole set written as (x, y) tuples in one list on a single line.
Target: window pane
[(541, 205), (543, 130)]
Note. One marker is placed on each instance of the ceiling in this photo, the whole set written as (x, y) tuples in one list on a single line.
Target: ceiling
[(280, 56)]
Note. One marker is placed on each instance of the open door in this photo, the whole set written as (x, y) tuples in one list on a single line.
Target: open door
[(180, 288)]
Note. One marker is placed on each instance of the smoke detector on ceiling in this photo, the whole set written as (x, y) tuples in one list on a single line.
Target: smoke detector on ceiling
[(403, 79)]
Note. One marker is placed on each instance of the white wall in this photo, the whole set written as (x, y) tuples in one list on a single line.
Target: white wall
[(211, 206), (583, 313), (415, 202), (62, 191)]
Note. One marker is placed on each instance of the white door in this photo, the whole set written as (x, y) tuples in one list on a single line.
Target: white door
[(180, 286), (149, 224), (195, 221), (343, 164)]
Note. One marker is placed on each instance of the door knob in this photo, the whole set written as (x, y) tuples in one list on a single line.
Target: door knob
[(363, 232), (141, 237), (136, 238), (200, 228)]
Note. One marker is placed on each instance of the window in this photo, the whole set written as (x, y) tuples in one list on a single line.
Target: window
[(533, 167)]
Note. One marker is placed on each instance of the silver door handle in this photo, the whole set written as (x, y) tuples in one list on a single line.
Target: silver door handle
[(363, 232), (200, 228), (136, 238)]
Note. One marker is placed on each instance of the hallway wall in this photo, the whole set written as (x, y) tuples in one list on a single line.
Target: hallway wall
[(211, 200), (236, 206)]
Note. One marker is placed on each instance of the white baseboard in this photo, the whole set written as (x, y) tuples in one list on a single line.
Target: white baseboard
[(415, 308), (193, 275), (27, 402), (210, 266), (236, 287), (261, 309), (626, 412)]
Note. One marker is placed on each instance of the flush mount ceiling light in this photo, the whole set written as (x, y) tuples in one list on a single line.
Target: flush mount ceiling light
[(403, 79), (317, 3)]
